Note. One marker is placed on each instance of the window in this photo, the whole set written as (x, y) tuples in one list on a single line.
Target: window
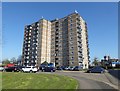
[(72, 58), (30, 27), (71, 42), (38, 24), (28, 67), (27, 57)]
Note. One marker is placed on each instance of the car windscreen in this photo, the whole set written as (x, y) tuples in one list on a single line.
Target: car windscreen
[(27, 67)]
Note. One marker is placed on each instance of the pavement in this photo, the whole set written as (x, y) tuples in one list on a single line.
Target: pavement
[(112, 79), (89, 80)]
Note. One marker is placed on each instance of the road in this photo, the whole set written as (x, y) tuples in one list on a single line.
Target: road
[(88, 80)]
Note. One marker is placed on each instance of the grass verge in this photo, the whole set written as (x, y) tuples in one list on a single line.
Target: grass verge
[(16, 80), (0, 81)]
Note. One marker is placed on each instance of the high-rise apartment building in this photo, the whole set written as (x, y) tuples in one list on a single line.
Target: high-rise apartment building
[(63, 42)]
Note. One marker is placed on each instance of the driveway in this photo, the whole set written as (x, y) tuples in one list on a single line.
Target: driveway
[(88, 80)]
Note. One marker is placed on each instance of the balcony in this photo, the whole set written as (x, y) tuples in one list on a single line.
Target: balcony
[(78, 27), (56, 50), (80, 51), (56, 26), (79, 37), (56, 40), (57, 36), (56, 30), (78, 23), (56, 58), (56, 46), (78, 19)]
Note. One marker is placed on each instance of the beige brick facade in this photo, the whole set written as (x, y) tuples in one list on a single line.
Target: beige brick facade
[(63, 42)]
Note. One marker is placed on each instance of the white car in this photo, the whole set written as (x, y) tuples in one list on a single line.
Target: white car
[(30, 69), (1, 68)]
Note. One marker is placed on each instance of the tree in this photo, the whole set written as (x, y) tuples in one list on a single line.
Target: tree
[(19, 59), (13, 60), (5, 61), (95, 61)]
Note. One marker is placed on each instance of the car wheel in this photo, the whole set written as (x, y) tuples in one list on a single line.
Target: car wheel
[(31, 71), (4, 70), (43, 70), (101, 71)]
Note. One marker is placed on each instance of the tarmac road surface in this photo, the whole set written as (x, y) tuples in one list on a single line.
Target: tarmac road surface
[(88, 80)]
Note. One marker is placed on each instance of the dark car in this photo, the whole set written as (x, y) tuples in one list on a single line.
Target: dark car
[(42, 67), (96, 69), (77, 68), (20, 67), (13, 69), (59, 68), (48, 69)]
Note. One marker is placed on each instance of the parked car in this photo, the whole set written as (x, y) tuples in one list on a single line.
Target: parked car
[(77, 68), (66, 68), (70, 68), (30, 69), (96, 69), (20, 67), (59, 68), (63, 67), (12, 69), (1, 68), (42, 67), (48, 69)]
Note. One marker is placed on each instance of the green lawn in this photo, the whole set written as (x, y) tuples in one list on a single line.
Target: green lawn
[(0, 81), (16, 80)]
